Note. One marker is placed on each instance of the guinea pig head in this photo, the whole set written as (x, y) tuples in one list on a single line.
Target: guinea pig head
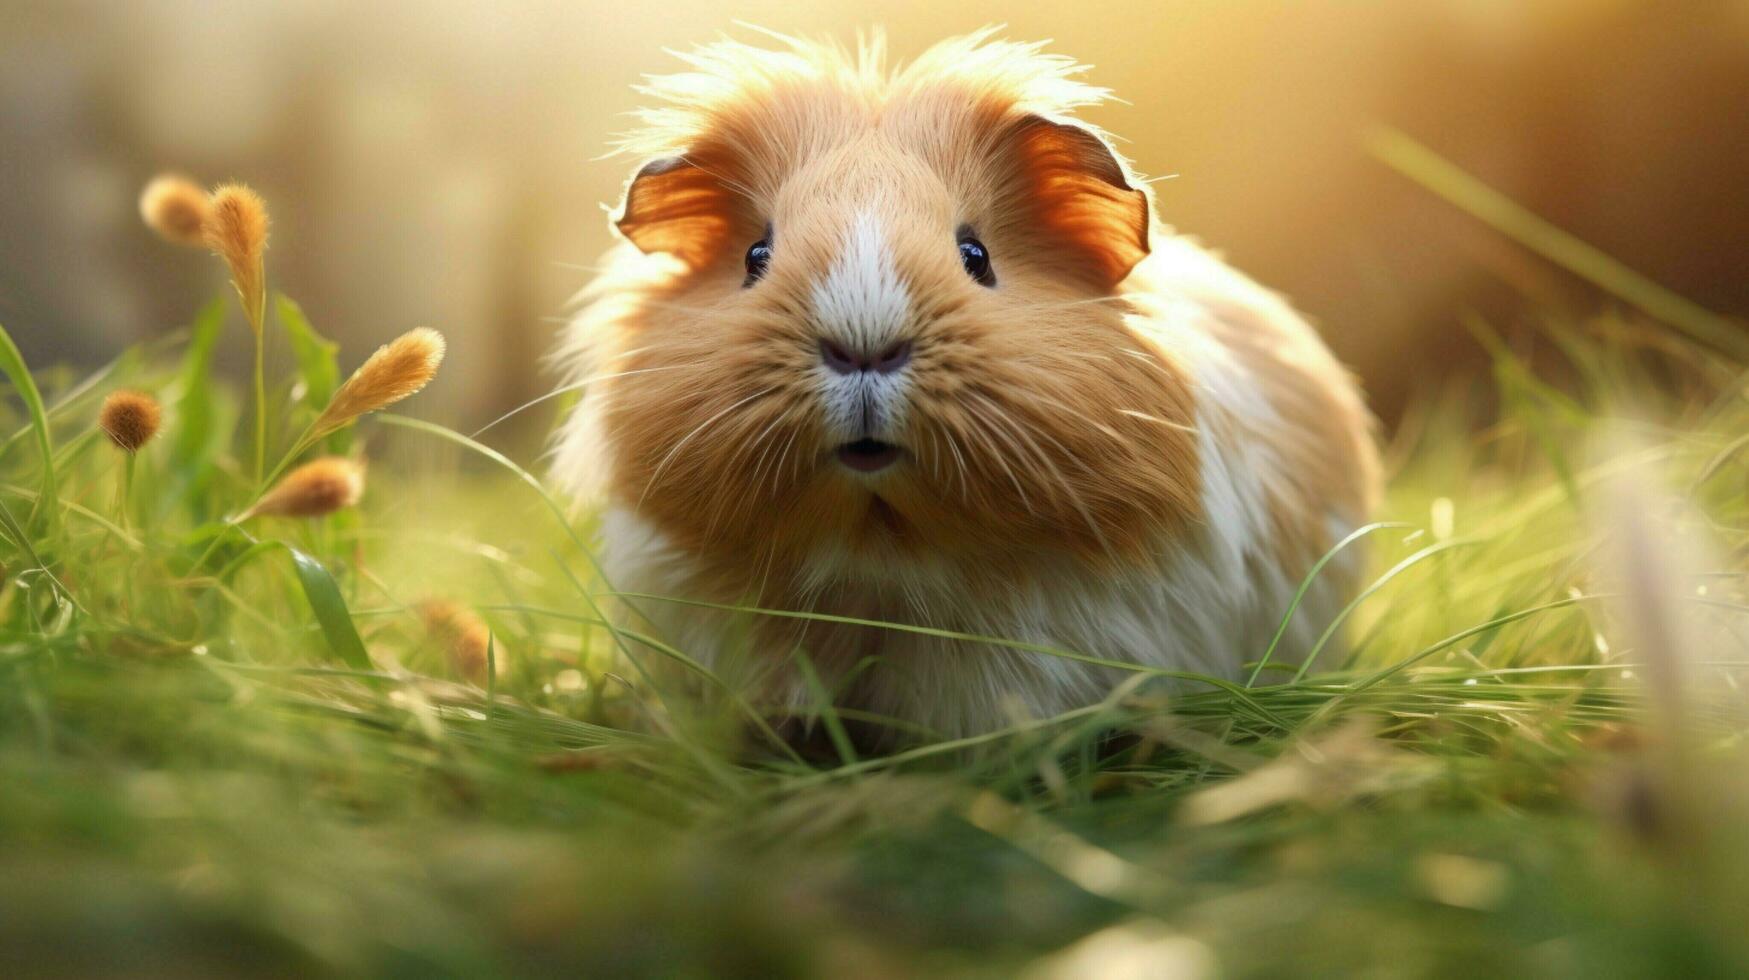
[(891, 328)]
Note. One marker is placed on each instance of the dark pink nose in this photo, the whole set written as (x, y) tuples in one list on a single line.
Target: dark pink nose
[(843, 361)]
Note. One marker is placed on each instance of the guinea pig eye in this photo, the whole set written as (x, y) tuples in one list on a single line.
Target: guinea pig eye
[(976, 258), (758, 257)]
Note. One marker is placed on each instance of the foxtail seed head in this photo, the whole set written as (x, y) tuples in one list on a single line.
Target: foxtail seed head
[(236, 230), (129, 418), (397, 369), (321, 486), (463, 636), (176, 208)]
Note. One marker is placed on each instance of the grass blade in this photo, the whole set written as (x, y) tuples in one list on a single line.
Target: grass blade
[(198, 436), (1306, 585), (330, 609), (325, 599), (1422, 165), (1367, 593), (318, 365), (1238, 692), (48, 506)]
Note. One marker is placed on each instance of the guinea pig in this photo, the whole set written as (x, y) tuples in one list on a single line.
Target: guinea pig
[(909, 345)]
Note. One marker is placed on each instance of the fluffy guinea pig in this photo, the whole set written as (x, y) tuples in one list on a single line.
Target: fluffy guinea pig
[(909, 345)]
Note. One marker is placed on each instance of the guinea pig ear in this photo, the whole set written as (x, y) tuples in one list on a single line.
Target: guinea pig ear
[(1079, 195), (674, 206)]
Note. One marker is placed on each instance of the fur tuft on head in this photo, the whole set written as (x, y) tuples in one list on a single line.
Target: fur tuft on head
[(729, 76)]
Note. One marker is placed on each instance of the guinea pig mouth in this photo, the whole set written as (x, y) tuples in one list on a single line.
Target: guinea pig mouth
[(868, 455)]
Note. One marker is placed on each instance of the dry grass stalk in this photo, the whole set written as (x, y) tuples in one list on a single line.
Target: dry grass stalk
[(321, 486), (397, 369)]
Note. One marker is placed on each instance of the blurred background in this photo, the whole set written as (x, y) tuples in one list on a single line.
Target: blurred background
[(437, 163)]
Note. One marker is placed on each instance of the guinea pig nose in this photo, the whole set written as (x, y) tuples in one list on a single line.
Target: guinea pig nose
[(839, 359), (842, 361), (894, 357)]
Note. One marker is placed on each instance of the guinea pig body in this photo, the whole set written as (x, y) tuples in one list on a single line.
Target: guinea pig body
[(909, 346)]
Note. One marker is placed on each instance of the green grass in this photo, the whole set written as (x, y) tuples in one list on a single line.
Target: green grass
[(238, 752)]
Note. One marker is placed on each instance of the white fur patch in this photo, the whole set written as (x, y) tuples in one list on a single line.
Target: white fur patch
[(862, 306)]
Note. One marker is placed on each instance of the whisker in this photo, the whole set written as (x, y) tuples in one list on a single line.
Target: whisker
[(1145, 417), (657, 473), (778, 470), (579, 267), (1071, 303), (996, 453), (1093, 423), (670, 306), (756, 477), (733, 462), (567, 389), (953, 446), (1068, 489)]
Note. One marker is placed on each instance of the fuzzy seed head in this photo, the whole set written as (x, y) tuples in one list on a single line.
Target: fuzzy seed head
[(463, 637), (236, 230), (398, 369), (129, 418), (177, 209), (319, 487)]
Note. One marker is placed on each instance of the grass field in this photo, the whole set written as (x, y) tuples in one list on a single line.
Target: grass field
[(277, 747)]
